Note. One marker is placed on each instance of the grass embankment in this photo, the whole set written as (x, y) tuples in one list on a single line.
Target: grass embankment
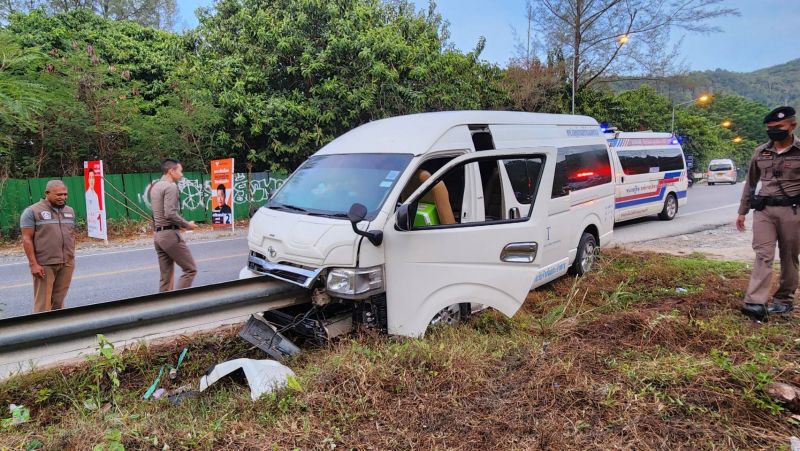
[(617, 359)]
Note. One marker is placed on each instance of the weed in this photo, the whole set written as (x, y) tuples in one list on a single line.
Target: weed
[(104, 370)]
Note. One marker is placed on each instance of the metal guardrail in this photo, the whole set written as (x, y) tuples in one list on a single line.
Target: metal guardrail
[(37, 340)]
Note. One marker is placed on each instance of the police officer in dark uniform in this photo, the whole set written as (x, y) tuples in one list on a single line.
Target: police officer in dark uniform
[(776, 168)]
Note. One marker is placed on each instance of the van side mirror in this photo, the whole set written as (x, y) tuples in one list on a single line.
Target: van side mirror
[(357, 214), (402, 218)]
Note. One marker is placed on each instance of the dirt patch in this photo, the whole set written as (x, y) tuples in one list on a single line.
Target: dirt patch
[(721, 243)]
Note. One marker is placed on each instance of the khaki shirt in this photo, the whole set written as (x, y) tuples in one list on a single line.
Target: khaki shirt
[(165, 202), (774, 171), (53, 243)]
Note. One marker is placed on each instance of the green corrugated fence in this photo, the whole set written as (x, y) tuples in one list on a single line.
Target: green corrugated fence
[(195, 189)]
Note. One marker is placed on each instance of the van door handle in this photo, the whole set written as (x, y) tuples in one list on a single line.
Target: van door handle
[(524, 252), (622, 179)]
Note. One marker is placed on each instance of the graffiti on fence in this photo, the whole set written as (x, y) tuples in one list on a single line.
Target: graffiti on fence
[(195, 193), (260, 188)]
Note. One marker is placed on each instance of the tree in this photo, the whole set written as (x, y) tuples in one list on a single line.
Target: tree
[(608, 37), (159, 14), (20, 98), (291, 75)]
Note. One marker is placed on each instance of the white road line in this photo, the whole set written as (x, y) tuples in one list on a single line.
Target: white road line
[(710, 209), (189, 242)]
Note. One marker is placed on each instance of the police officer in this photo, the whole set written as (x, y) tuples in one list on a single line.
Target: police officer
[(170, 245), (776, 167), (50, 247)]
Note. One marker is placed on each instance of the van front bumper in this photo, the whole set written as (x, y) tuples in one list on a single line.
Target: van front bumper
[(257, 264)]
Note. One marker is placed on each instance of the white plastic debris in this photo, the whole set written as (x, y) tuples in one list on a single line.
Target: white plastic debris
[(263, 376)]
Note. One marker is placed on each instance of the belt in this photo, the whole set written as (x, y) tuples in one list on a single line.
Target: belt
[(781, 201), (169, 227)]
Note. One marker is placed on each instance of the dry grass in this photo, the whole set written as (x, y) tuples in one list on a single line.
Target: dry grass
[(616, 360)]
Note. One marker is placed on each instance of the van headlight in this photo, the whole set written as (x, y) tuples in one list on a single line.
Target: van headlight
[(355, 282)]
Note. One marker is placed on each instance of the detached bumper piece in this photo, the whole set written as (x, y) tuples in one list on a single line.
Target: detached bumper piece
[(266, 337)]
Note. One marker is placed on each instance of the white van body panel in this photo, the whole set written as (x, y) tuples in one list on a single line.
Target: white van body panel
[(644, 194), (435, 268)]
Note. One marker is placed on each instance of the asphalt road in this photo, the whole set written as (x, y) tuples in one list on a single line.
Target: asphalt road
[(103, 275), (110, 275)]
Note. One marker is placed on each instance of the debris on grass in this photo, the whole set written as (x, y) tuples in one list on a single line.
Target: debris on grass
[(263, 376), (615, 359)]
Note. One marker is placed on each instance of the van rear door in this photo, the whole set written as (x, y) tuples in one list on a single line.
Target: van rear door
[(491, 261)]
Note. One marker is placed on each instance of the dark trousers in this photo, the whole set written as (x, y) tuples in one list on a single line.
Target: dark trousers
[(171, 248)]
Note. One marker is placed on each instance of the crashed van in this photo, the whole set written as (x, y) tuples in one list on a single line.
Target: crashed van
[(415, 220)]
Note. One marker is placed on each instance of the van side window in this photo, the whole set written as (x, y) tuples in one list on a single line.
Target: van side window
[(522, 176), (442, 203), (636, 162), (580, 167)]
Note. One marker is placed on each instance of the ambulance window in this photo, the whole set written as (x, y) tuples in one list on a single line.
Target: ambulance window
[(670, 160), (580, 167)]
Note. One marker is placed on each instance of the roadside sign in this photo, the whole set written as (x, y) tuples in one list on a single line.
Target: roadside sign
[(222, 193), (95, 199)]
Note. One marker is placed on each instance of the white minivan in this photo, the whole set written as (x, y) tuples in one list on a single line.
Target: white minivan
[(722, 170), (413, 220), (650, 175)]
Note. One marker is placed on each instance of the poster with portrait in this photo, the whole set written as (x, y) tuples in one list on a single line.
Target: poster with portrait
[(222, 193), (95, 199)]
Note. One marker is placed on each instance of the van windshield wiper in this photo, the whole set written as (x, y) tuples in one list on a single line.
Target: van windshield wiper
[(287, 207), (329, 215)]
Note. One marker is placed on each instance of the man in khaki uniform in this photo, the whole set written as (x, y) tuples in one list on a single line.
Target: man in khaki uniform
[(776, 167), (50, 247), (170, 245)]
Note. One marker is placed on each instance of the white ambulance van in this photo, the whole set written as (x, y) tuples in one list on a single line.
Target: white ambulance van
[(650, 175), (412, 220)]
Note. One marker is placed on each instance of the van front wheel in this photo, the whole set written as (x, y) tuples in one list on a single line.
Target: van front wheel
[(453, 314), (670, 208), (584, 258)]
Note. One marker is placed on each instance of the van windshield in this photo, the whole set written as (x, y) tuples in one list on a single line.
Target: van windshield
[(327, 185), (720, 167)]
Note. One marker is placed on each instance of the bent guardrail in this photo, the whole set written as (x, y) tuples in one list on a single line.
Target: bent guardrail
[(36, 340)]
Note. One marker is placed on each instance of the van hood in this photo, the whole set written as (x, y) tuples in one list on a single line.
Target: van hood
[(284, 237)]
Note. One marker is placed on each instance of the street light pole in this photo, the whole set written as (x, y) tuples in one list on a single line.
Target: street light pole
[(702, 99), (574, 73)]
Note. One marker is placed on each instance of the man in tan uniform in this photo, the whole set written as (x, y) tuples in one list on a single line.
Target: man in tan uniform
[(50, 247), (170, 245), (776, 167)]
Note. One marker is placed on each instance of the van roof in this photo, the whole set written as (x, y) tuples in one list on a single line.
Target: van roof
[(416, 133), (721, 160)]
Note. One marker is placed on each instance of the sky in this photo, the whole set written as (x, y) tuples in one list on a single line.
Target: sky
[(764, 35)]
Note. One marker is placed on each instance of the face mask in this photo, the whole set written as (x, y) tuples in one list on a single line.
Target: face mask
[(777, 134)]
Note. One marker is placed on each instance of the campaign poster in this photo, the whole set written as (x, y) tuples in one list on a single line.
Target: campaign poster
[(95, 199), (222, 193)]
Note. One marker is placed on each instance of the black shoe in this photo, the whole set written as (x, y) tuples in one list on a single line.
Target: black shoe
[(757, 312), (780, 308)]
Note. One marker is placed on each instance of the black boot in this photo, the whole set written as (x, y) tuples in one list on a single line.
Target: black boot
[(780, 308), (757, 312)]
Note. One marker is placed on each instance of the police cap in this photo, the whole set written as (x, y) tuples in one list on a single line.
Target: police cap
[(779, 114)]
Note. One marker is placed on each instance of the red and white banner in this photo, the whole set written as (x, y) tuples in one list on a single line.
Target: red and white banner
[(222, 193), (95, 199)]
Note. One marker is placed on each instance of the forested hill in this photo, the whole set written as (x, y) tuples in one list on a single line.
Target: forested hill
[(772, 86), (776, 85)]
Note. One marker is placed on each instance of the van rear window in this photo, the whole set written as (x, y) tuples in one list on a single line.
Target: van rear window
[(720, 167), (646, 161)]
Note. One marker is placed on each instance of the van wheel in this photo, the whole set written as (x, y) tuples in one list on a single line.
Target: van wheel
[(670, 208), (452, 315), (586, 255)]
